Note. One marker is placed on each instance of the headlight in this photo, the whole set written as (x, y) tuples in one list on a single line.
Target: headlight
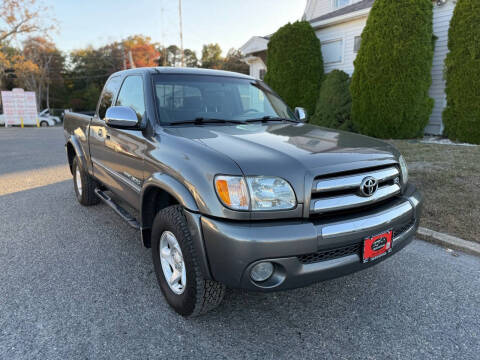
[(264, 193), (270, 193), (404, 170), (232, 191)]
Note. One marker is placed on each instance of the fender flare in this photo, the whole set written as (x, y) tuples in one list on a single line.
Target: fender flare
[(185, 198), (172, 186), (78, 151)]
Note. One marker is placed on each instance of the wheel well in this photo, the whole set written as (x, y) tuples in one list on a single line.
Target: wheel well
[(154, 200), (71, 155)]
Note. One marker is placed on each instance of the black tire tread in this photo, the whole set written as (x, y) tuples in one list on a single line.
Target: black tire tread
[(209, 293), (88, 197)]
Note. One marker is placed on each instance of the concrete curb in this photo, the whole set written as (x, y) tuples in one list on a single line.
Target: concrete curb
[(448, 241)]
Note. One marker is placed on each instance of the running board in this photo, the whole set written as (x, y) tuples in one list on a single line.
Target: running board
[(118, 209)]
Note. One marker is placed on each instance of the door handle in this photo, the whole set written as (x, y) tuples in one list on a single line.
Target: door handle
[(100, 132), (107, 137)]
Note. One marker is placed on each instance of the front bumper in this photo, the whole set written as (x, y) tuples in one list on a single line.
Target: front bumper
[(233, 248)]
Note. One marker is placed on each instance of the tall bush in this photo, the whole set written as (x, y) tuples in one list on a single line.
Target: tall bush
[(393, 70), (334, 104), (295, 65), (462, 115)]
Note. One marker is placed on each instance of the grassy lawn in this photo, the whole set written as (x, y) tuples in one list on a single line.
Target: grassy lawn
[(449, 178)]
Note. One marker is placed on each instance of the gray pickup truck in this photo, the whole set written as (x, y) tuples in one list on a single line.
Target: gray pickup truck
[(230, 187)]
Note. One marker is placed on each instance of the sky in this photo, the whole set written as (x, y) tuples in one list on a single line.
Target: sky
[(231, 23)]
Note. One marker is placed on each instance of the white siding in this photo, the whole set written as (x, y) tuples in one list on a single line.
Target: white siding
[(256, 66), (347, 33), (316, 8), (441, 22)]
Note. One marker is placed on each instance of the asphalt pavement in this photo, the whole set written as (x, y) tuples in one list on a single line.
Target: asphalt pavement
[(76, 284)]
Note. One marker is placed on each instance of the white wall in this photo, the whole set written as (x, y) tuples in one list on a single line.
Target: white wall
[(441, 22), (316, 8), (347, 32), (256, 65)]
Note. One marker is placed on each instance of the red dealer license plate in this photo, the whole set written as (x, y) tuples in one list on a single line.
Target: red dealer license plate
[(377, 246)]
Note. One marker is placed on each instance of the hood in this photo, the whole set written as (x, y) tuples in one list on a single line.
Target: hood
[(272, 149)]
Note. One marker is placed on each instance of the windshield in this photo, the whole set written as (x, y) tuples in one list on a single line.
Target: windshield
[(183, 98)]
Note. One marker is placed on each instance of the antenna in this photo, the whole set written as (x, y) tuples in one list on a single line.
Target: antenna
[(163, 45), (181, 31)]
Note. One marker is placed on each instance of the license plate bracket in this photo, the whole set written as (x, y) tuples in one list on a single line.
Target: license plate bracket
[(377, 246)]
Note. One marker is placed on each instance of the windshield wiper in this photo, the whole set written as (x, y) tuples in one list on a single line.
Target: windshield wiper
[(201, 120), (270, 118)]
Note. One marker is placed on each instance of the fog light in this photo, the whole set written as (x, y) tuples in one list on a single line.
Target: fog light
[(262, 271)]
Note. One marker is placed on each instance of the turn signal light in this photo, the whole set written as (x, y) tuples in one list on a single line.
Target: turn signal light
[(232, 191)]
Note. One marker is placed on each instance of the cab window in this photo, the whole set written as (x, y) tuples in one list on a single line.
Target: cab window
[(108, 93), (132, 95)]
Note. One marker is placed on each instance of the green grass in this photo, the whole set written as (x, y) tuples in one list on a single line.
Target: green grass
[(449, 178)]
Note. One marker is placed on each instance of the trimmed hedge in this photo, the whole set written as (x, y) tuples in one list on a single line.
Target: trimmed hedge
[(295, 65), (462, 115), (393, 70), (334, 104)]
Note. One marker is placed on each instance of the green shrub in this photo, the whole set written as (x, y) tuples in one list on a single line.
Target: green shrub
[(295, 65), (393, 70), (334, 105), (462, 115)]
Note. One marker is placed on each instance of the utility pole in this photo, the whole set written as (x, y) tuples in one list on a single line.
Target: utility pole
[(181, 31), (130, 59)]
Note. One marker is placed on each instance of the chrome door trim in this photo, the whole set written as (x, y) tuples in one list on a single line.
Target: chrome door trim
[(118, 176)]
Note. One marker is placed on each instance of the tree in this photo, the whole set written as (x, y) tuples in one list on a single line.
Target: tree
[(392, 70), (295, 65), (49, 63), (171, 56), (22, 17), (89, 69), (334, 104), (462, 114), (191, 59), (144, 52), (234, 62), (212, 56)]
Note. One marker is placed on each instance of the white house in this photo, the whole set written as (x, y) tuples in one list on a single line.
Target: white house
[(339, 25)]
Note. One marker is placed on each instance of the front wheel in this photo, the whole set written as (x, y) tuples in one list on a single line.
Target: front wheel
[(176, 266), (44, 124)]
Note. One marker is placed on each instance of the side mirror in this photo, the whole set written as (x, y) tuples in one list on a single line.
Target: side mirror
[(121, 116), (301, 114)]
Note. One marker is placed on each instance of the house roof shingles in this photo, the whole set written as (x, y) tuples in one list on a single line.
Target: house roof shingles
[(364, 4)]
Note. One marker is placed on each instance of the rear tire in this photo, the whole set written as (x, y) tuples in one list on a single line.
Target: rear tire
[(44, 124), (191, 295), (84, 185)]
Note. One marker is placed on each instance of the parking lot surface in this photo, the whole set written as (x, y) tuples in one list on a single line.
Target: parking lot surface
[(75, 283)]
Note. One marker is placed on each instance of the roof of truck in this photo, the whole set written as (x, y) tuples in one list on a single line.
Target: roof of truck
[(187, 71)]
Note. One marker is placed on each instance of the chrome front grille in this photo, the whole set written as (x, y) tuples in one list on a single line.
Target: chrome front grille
[(342, 192)]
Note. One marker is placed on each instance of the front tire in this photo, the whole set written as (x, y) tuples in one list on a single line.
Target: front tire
[(176, 266), (84, 185), (44, 124)]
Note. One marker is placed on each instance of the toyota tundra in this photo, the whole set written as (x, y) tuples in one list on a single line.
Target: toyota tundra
[(231, 188)]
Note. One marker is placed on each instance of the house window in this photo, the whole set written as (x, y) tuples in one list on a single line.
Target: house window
[(337, 4), (261, 73), (356, 45), (332, 51)]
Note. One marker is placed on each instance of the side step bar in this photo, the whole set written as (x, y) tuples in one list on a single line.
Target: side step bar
[(118, 209)]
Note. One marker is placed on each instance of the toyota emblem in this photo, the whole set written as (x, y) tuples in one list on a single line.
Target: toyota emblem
[(369, 186)]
